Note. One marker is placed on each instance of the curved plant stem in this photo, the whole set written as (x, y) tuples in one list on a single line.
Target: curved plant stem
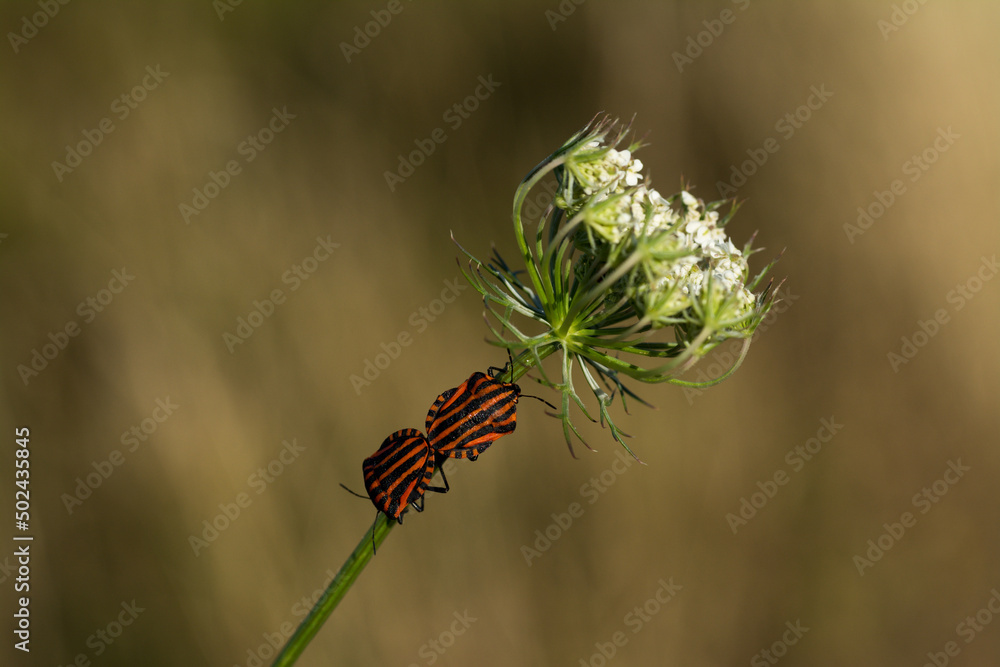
[(341, 583), (363, 553)]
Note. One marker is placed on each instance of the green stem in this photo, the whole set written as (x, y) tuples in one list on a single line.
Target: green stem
[(334, 592), (363, 553), (542, 288)]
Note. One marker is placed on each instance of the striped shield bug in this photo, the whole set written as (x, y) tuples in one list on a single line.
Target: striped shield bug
[(400, 472), (464, 421)]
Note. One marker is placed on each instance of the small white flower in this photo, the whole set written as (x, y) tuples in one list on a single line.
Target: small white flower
[(695, 280), (699, 233), (620, 158), (729, 274), (632, 175)]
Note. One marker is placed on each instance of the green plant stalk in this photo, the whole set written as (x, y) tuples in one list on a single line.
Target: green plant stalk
[(363, 553), (341, 583)]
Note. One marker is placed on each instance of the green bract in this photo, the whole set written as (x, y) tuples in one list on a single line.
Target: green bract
[(612, 263)]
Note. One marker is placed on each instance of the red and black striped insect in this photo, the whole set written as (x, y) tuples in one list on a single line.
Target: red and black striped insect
[(464, 421), (399, 473)]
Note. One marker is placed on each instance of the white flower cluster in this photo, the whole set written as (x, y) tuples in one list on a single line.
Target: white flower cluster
[(683, 257), (615, 169)]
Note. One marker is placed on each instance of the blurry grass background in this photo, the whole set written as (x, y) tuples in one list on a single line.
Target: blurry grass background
[(848, 305)]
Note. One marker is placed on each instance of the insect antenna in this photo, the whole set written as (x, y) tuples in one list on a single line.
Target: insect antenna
[(354, 493), (377, 512), (539, 398)]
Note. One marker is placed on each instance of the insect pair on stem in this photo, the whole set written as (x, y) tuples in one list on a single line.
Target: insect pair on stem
[(462, 423)]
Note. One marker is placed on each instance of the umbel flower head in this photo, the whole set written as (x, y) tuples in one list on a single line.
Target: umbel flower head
[(612, 269)]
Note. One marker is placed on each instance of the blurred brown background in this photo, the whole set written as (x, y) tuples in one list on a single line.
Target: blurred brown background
[(850, 300)]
